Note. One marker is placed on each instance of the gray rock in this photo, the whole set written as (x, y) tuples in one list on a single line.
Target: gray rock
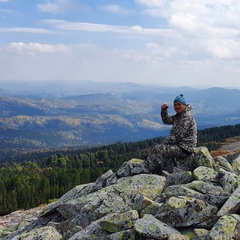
[(203, 173), (185, 211), (150, 227), (216, 200), (228, 180), (204, 203), (152, 208), (232, 205), (122, 235), (213, 193), (132, 167), (203, 157), (196, 233), (202, 234), (179, 178), (40, 233), (236, 165), (112, 180), (117, 222), (182, 190), (101, 181), (205, 187), (223, 228), (237, 228), (92, 231), (221, 162), (112, 199), (72, 194), (178, 237)]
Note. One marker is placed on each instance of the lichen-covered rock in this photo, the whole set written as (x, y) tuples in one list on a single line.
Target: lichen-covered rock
[(224, 228), (202, 204), (203, 173), (149, 185), (236, 234), (116, 222), (202, 234), (182, 190), (91, 232), (72, 194), (232, 205), (236, 164), (117, 198), (112, 180), (196, 233), (203, 157), (40, 233), (152, 208), (228, 180), (179, 178), (178, 237), (150, 227), (140, 202), (122, 235), (221, 162), (212, 192), (185, 211), (205, 187), (101, 181), (132, 167), (216, 200)]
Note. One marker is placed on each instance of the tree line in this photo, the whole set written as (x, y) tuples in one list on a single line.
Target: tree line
[(28, 183)]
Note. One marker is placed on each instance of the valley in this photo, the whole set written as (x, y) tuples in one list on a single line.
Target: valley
[(90, 114)]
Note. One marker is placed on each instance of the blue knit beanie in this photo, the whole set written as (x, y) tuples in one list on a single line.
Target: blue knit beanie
[(180, 99)]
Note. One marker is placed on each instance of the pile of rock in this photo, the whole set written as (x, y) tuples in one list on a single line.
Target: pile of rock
[(203, 203), (17, 220)]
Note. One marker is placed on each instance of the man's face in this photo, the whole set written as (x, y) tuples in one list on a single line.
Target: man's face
[(179, 107)]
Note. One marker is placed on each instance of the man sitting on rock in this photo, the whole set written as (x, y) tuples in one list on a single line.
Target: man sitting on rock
[(181, 142)]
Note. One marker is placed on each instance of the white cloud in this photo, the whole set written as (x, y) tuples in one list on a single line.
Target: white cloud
[(26, 30), (151, 3), (113, 8), (226, 48), (92, 27), (31, 48), (163, 53), (191, 26), (199, 18), (54, 6), (153, 64), (207, 28), (173, 42)]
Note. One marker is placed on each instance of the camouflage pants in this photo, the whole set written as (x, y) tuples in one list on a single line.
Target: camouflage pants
[(162, 157)]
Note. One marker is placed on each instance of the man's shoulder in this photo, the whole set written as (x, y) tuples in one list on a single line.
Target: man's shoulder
[(187, 114)]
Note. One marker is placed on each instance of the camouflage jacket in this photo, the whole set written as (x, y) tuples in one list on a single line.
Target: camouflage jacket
[(184, 130)]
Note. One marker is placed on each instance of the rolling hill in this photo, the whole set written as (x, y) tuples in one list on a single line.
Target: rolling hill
[(87, 114)]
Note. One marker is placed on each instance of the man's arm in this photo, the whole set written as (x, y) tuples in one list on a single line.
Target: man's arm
[(164, 115)]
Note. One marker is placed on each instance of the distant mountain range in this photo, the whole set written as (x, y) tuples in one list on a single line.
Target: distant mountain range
[(85, 113)]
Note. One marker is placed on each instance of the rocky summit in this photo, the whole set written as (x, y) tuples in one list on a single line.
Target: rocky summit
[(193, 201)]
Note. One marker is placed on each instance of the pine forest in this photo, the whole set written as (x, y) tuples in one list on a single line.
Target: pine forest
[(28, 183)]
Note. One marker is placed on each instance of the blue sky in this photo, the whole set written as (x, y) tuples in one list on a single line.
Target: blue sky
[(166, 42)]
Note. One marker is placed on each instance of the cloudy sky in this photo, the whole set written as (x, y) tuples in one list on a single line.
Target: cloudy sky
[(168, 42)]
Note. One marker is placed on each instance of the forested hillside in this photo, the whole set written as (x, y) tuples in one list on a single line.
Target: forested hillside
[(29, 183), (40, 119)]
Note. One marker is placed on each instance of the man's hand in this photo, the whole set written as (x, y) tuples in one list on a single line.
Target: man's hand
[(164, 106)]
